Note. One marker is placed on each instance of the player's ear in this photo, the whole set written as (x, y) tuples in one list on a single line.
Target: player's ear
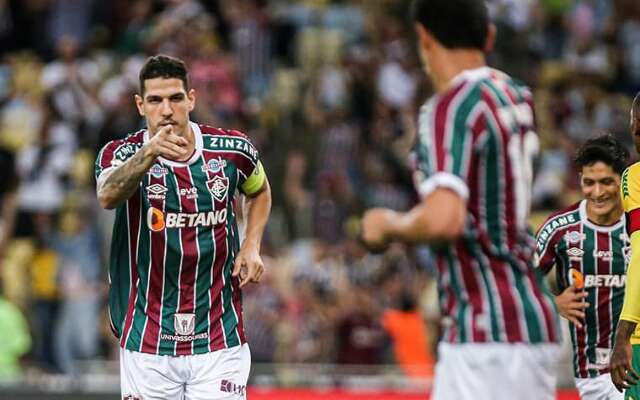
[(425, 39), (491, 38), (191, 95), (139, 104)]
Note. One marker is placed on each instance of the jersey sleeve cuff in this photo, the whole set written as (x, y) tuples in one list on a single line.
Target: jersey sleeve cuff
[(446, 180), (102, 177)]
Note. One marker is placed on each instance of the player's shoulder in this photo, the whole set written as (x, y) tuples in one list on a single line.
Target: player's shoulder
[(132, 138), (631, 173), (130, 143), (630, 187), (560, 219), (210, 131)]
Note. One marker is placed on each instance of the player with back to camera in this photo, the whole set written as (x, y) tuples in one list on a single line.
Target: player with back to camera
[(474, 154), (589, 247), (177, 265)]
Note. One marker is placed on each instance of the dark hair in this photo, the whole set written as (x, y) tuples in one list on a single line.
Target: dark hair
[(166, 67), (605, 148), (454, 23)]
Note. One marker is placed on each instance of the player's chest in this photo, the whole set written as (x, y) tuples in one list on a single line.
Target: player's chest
[(200, 187), (590, 251)]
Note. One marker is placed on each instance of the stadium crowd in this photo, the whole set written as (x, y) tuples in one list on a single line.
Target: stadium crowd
[(329, 92)]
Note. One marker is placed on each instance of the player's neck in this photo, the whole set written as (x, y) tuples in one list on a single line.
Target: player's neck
[(605, 219), (453, 62)]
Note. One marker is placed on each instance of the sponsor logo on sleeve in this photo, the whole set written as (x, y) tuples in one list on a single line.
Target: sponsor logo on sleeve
[(123, 153)]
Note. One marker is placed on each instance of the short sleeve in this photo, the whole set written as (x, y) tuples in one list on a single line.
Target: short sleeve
[(546, 241), (252, 173), (114, 154), (445, 142)]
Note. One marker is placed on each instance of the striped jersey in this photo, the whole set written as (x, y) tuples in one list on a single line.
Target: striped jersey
[(593, 257), (174, 244), (477, 138)]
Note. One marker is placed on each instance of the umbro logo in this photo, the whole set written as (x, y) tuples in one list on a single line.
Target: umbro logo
[(156, 191), (575, 252)]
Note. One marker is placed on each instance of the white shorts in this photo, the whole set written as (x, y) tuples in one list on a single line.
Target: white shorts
[(220, 375), (495, 371), (598, 388)]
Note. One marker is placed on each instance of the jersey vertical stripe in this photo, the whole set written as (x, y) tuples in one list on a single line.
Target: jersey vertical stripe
[(488, 288), (174, 257), (597, 253), (190, 254), (174, 244), (134, 221), (155, 288), (205, 262)]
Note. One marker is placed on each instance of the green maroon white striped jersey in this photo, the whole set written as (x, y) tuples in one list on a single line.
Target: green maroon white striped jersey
[(597, 256), (477, 138), (174, 244)]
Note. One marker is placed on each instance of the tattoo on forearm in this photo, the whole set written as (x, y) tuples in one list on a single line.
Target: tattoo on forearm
[(124, 180)]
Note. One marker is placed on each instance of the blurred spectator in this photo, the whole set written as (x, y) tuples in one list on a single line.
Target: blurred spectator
[(44, 296), (43, 167), (15, 339), (72, 82), (360, 338), (410, 339), (70, 19), (8, 205), (80, 281)]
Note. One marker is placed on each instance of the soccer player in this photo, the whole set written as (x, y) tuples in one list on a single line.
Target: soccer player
[(475, 145), (177, 266), (589, 247), (624, 372)]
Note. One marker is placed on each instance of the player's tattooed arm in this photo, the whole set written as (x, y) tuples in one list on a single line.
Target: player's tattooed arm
[(122, 181)]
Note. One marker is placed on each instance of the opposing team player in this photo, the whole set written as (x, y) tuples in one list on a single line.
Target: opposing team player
[(475, 145), (625, 359), (177, 266), (589, 247)]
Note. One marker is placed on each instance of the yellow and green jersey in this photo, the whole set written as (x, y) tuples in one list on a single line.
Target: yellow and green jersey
[(174, 244), (630, 192)]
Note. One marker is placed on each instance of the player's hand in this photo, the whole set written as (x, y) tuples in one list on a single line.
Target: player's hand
[(248, 266), (167, 144), (373, 230), (571, 304), (623, 375)]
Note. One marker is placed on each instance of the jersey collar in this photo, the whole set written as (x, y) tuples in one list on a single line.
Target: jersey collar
[(602, 228)]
